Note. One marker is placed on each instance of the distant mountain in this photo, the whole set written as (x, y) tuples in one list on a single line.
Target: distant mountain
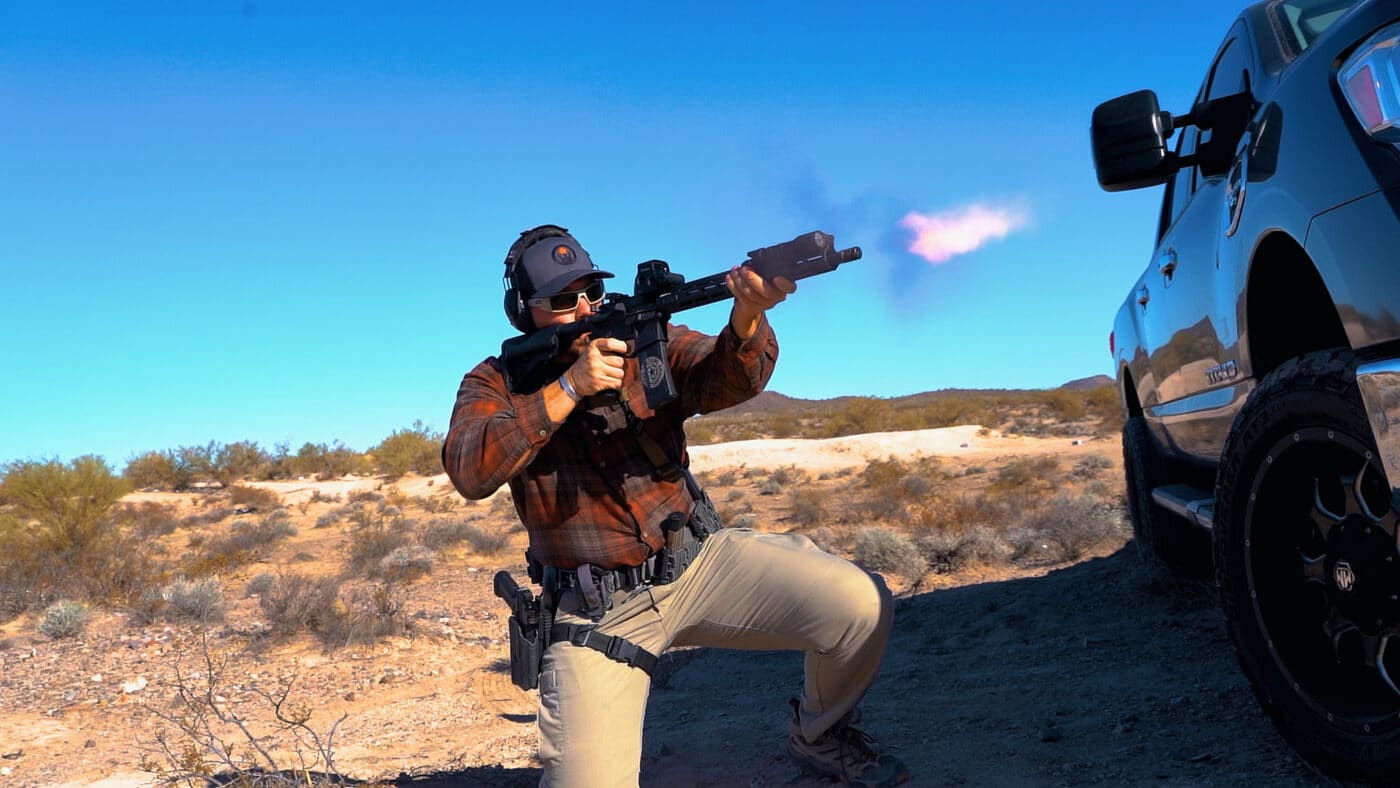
[(1084, 384), (771, 402)]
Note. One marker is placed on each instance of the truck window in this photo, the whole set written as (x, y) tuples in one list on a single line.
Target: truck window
[(1301, 22)]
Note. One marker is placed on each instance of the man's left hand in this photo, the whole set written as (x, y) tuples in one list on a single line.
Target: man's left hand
[(753, 295)]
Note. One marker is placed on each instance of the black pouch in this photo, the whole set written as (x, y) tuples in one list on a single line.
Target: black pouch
[(525, 655), (684, 538), (704, 520)]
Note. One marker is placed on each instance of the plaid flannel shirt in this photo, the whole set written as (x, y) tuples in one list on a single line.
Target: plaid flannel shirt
[(584, 488)]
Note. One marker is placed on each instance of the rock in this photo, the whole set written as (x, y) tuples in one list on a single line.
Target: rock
[(1050, 732), (89, 744), (135, 685), (12, 755), (95, 678)]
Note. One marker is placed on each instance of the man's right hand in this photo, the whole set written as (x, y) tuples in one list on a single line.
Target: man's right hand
[(598, 367)]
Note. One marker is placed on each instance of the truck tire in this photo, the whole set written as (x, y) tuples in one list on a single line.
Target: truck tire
[(1307, 567), (1166, 544)]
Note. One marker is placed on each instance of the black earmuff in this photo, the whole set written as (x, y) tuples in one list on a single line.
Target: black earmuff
[(516, 312)]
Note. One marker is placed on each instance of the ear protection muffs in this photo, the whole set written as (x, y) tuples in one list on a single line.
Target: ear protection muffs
[(517, 285)]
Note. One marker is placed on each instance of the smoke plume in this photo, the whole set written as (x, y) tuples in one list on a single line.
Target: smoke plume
[(941, 236)]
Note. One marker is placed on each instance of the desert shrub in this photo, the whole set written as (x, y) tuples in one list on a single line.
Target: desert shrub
[(254, 498), (148, 518), (204, 740), (734, 496), (699, 433), (1026, 474), (193, 600), (487, 542), (210, 517), (245, 542), (416, 449), (70, 502), (743, 520), (240, 460), (783, 425), (367, 614), (296, 602), (808, 506), (364, 496), (319, 497), (330, 518), (948, 550), (327, 462), (441, 532), (726, 477), (916, 487), (369, 546), (407, 562), (860, 415), (883, 474), (883, 550), (65, 618), (1064, 530), (436, 504), (159, 470), (769, 486), (27, 578), (788, 474), (1089, 467), (260, 584)]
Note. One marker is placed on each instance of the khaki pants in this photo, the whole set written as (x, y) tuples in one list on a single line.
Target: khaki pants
[(746, 590)]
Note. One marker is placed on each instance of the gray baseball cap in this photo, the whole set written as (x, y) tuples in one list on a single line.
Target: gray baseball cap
[(550, 264)]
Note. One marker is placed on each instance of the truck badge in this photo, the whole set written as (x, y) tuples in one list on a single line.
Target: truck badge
[(1344, 577)]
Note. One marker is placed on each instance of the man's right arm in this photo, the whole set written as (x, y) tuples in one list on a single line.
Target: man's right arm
[(493, 434)]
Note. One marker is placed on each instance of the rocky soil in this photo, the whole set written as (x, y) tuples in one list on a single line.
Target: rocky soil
[(1076, 674)]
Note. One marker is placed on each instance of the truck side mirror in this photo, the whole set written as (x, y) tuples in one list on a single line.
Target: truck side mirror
[(1129, 137), (1227, 118)]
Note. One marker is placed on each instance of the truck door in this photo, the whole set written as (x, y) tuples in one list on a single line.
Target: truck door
[(1187, 348)]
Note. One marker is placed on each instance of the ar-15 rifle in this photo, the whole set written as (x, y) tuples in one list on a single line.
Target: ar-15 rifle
[(658, 294)]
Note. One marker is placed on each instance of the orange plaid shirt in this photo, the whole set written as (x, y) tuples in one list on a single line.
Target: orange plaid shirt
[(587, 492)]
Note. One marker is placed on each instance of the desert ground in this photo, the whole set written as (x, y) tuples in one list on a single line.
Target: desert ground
[(1027, 672)]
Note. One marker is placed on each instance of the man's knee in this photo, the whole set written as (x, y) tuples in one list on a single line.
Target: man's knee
[(864, 601)]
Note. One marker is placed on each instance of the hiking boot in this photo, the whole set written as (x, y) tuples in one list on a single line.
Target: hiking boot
[(845, 753)]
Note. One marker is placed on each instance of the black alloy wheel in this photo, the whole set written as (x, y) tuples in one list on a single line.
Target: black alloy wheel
[(1308, 567)]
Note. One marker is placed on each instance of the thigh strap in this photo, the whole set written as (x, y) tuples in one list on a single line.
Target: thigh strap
[(611, 646)]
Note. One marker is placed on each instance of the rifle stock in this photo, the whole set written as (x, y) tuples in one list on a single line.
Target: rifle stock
[(657, 294)]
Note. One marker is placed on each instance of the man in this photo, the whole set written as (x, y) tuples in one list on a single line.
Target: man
[(599, 480)]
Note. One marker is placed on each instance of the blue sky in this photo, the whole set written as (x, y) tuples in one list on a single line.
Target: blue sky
[(285, 222)]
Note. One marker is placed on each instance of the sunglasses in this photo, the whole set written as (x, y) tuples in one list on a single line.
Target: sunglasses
[(567, 301)]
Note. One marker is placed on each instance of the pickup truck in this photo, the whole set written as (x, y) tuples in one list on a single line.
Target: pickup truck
[(1258, 360)]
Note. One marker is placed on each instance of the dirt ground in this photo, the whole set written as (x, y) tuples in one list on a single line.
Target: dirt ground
[(1077, 674)]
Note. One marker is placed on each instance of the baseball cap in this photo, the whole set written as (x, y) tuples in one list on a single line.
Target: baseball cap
[(550, 264)]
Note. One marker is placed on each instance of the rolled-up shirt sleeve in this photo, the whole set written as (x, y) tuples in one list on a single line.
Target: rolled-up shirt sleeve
[(721, 371), (492, 433)]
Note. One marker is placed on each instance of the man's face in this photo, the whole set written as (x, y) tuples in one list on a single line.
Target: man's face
[(544, 315)]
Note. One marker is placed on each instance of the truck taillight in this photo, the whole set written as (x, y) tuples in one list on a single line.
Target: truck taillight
[(1369, 81), (1111, 348)]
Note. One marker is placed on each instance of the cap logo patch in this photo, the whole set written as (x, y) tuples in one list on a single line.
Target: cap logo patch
[(563, 254)]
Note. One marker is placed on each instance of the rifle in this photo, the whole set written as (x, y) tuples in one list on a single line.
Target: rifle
[(658, 294)]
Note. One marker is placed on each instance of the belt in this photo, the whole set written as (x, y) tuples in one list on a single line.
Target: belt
[(597, 586)]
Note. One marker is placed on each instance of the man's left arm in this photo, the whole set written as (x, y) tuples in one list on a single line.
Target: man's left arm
[(713, 373)]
